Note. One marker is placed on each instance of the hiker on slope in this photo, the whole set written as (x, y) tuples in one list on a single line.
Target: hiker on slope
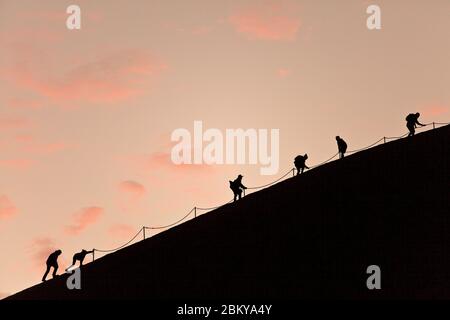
[(300, 164), (237, 187), (412, 121)]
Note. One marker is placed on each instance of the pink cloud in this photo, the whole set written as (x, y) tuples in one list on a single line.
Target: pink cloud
[(283, 72), (122, 231), (163, 160), (18, 163), (266, 21), (41, 248), (83, 219), (435, 110), (20, 103), (43, 33), (109, 80), (29, 144), (45, 148), (131, 196), (13, 122), (7, 208), (132, 187)]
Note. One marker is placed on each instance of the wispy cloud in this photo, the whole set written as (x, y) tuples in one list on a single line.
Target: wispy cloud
[(108, 80), (162, 160), (131, 196), (40, 248), (13, 122), (17, 163), (267, 21), (22, 103), (435, 110), (84, 218), (132, 187), (29, 144), (283, 72), (7, 208)]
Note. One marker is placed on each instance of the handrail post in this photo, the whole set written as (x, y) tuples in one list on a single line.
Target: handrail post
[(195, 212), (293, 172), (384, 139), (433, 125), (93, 255), (143, 231)]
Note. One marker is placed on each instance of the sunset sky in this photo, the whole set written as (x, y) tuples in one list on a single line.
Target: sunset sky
[(86, 115)]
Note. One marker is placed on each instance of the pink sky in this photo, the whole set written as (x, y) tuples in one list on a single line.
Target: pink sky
[(86, 116)]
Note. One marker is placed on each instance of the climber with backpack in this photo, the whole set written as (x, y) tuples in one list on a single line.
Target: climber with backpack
[(412, 120), (300, 164), (237, 187)]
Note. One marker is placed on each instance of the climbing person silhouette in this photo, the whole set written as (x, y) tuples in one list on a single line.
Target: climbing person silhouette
[(412, 120), (342, 146), (79, 257), (300, 164), (52, 261), (237, 187)]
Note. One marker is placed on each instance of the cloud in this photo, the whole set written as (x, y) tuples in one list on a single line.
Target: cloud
[(132, 187), (163, 161), (7, 208), (41, 248), (435, 110), (29, 144), (35, 147), (17, 163), (46, 147), (13, 122), (84, 218), (109, 80), (283, 72), (122, 231), (131, 196), (267, 21), (21, 103)]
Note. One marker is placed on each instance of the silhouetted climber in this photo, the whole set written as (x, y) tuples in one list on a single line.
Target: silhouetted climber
[(52, 261), (342, 146), (79, 257), (412, 120), (237, 187), (300, 164)]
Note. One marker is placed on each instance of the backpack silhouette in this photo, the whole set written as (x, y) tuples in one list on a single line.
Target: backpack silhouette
[(410, 117), (299, 160)]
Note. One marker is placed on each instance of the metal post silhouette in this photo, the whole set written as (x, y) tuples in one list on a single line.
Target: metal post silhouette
[(143, 232)]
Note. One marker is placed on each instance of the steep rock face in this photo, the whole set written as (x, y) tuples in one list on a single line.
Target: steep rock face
[(311, 236)]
